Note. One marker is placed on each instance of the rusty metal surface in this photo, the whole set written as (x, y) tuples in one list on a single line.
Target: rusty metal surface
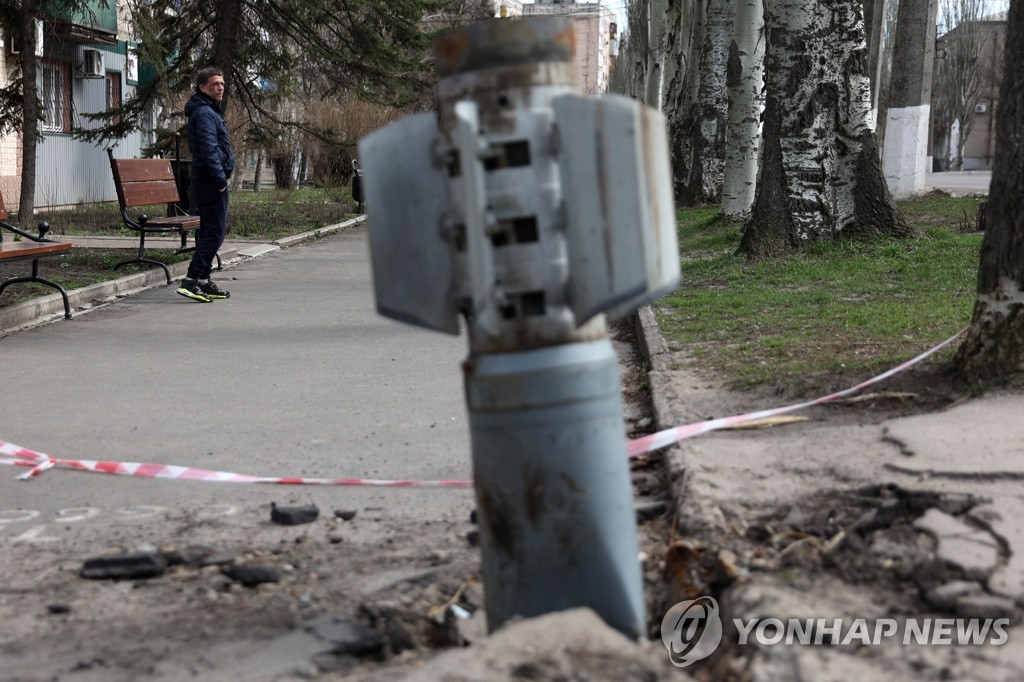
[(504, 44)]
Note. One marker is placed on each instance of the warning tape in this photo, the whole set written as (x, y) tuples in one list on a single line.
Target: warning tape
[(667, 437), (16, 455)]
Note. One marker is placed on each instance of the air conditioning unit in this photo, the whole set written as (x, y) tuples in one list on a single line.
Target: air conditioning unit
[(92, 64), (981, 108)]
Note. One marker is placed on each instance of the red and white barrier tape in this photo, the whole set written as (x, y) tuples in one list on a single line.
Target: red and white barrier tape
[(15, 455), (667, 437)]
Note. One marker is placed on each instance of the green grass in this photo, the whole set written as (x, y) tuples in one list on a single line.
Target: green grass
[(838, 310), (263, 216)]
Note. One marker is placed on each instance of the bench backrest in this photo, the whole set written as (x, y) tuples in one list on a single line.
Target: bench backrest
[(142, 182)]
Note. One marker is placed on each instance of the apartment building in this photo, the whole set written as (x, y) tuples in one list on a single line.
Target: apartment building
[(980, 146), (594, 25), (85, 64)]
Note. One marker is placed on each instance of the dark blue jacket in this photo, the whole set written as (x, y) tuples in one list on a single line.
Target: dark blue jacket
[(212, 159)]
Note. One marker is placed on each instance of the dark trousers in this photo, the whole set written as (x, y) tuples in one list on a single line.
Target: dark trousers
[(213, 226)]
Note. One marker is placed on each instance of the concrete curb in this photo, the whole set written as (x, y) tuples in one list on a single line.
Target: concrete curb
[(51, 308), (694, 515)]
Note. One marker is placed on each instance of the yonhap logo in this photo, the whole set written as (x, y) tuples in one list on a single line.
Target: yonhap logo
[(691, 630)]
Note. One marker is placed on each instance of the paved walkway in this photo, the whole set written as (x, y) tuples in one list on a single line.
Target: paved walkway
[(49, 308), (960, 182), (295, 375)]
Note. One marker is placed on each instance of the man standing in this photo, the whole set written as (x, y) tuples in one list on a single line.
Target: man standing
[(212, 165)]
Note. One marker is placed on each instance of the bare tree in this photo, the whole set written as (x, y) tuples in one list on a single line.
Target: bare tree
[(883, 69), (994, 347), (685, 36), (703, 149), (656, 52), (821, 177), (745, 79), (958, 78), (629, 76)]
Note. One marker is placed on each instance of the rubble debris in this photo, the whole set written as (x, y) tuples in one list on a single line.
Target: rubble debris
[(348, 637), (345, 514), (58, 608), (945, 596), (473, 538), (293, 516), (649, 509), (198, 556), (973, 551), (987, 606), (398, 625), (251, 576), (124, 566)]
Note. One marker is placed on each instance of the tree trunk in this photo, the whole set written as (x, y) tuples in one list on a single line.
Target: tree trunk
[(30, 114), (745, 79), (225, 45), (874, 18), (258, 173), (910, 93), (685, 36), (283, 163), (707, 122), (994, 347), (656, 42), (821, 176)]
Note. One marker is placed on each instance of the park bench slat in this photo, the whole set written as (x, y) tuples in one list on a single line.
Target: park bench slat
[(12, 250), (30, 247), (138, 193), (146, 182)]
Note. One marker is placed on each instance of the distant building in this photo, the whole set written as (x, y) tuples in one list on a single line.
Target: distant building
[(86, 63), (508, 9), (594, 25), (981, 141)]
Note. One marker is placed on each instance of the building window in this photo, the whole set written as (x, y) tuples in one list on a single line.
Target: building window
[(56, 96), (114, 94)]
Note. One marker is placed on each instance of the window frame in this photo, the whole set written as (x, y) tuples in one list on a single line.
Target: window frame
[(114, 81), (55, 71)]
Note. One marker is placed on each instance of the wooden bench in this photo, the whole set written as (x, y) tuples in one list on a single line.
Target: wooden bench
[(145, 182), (31, 248)]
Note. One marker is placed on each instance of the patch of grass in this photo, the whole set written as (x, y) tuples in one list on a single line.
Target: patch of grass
[(842, 310), (261, 216)]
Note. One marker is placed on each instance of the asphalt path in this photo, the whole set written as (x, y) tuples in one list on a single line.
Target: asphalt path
[(295, 375)]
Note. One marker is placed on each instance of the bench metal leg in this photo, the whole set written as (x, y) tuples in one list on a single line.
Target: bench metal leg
[(141, 258), (151, 261), (35, 279)]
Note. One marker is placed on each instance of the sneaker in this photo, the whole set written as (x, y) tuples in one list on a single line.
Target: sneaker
[(190, 288), (211, 290)]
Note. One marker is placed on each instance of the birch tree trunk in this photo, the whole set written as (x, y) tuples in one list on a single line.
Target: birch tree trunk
[(685, 36), (745, 79), (821, 177), (710, 113), (655, 73), (994, 347)]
